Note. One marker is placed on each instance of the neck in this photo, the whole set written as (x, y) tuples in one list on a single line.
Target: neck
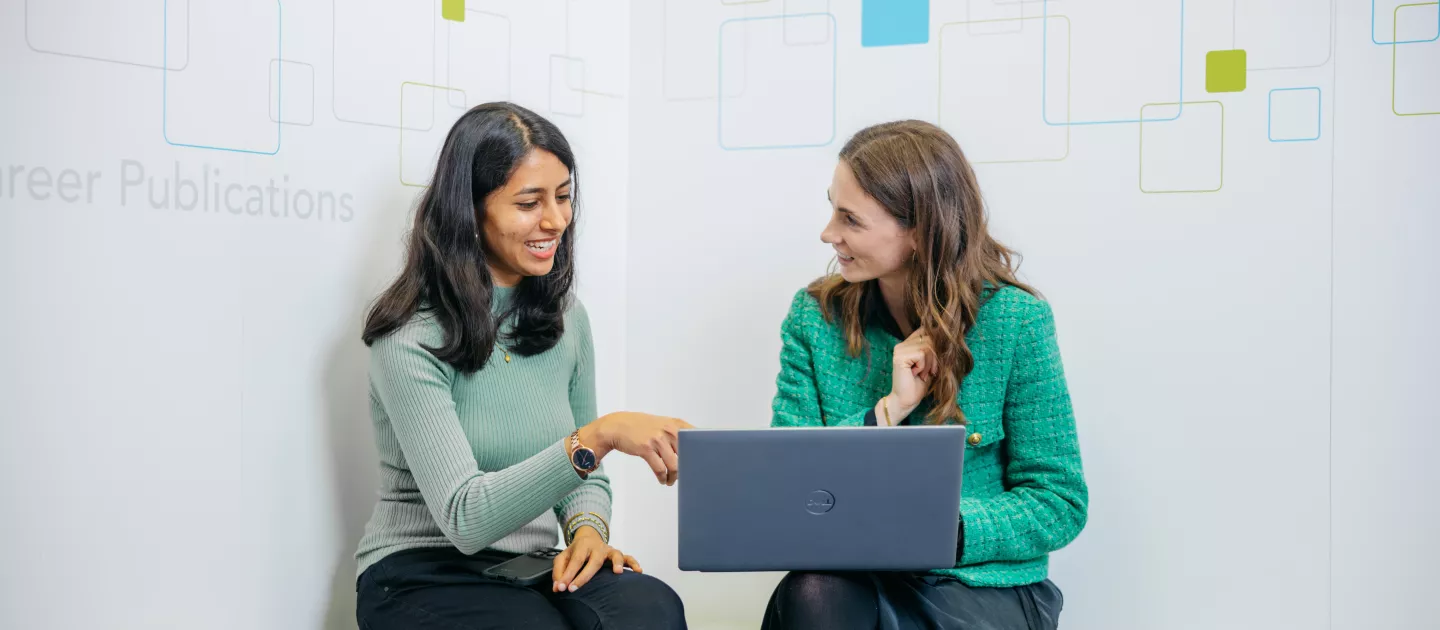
[(892, 290), (502, 278)]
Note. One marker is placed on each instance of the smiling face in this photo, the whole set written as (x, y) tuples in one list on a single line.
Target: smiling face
[(526, 218), (869, 242)]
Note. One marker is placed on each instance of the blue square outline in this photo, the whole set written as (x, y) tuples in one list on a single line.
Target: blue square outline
[(720, 84), (165, 85), (1270, 112), (1400, 42), (940, 105)]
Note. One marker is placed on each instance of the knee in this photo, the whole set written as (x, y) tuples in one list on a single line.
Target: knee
[(816, 589), (661, 604)]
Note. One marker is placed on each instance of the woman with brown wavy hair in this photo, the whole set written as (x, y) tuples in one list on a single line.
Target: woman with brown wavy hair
[(926, 323)]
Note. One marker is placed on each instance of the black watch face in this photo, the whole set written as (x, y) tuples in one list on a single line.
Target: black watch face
[(583, 458)]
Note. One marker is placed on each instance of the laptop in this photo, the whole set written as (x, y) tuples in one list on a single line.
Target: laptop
[(832, 498)]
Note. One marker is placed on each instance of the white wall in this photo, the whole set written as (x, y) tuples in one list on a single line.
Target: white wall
[(185, 441), (1249, 366)]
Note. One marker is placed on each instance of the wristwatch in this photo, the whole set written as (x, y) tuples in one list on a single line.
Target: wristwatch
[(581, 456)]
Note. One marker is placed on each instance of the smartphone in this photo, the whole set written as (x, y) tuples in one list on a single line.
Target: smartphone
[(527, 570)]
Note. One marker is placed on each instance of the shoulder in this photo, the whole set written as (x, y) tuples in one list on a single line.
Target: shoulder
[(577, 319), (805, 312), (804, 303), (1012, 302), (576, 311), (411, 342), (421, 329), (1012, 311)]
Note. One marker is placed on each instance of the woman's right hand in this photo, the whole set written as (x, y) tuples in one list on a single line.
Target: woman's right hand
[(914, 367), (655, 439)]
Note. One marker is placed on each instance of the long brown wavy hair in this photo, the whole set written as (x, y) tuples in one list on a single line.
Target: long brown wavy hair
[(918, 173)]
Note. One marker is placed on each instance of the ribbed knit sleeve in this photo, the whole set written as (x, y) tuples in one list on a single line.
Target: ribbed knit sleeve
[(594, 495), (797, 401), (473, 508), (1045, 501)]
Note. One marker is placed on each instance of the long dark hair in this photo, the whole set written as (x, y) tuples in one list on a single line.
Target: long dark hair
[(918, 173), (445, 263)]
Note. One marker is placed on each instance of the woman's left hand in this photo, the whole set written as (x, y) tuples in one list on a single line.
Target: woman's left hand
[(583, 558)]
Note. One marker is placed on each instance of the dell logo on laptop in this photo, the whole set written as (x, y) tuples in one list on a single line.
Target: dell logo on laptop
[(819, 502)]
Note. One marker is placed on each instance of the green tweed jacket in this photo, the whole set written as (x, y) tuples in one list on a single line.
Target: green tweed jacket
[(1024, 492)]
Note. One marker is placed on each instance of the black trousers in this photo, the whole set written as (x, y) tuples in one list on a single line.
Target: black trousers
[(902, 601), (442, 589)]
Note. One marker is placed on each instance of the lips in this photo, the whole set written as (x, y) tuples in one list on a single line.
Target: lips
[(543, 249)]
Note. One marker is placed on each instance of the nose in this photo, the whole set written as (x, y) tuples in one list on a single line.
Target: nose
[(830, 235), (554, 218)]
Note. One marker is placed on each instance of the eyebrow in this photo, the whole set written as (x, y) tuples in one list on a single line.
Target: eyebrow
[(536, 189)]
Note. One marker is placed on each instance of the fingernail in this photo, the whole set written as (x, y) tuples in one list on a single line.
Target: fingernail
[(560, 586), (573, 588)]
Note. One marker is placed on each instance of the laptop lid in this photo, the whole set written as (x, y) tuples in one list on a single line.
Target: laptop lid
[(833, 498)]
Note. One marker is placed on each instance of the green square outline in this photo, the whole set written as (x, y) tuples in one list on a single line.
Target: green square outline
[(400, 161), (940, 93), (1394, 56), (1243, 74), (1140, 181)]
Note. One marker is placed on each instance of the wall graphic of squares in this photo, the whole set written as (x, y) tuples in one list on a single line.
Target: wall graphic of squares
[(119, 31), (789, 95), (477, 58), (1124, 53), (567, 85), (427, 114), (985, 17), (1401, 22), (596, 34), (378, 44), (894, 22), (990, 90), (1225, 71), (453, 10), (222, 99), (810, 29), (1283, 33), (296, 81), (689, 55), (1294, 114), (1415, 68), (1184, 155)]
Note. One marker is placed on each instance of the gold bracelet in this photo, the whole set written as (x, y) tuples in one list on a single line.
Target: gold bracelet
[(593, 524), (571, 527), (885, 402)]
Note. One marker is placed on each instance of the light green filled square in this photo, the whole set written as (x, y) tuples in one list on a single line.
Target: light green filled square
[(1225, 71), (453, 10)]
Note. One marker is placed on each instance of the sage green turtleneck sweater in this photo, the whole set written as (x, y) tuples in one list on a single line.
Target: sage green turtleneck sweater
[(477, 461)]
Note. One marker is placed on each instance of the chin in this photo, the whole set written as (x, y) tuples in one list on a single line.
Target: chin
[(854, 275), (542, 269)]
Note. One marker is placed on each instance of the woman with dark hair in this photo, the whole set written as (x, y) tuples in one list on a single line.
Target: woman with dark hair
[(482, 395), (926, 323)]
